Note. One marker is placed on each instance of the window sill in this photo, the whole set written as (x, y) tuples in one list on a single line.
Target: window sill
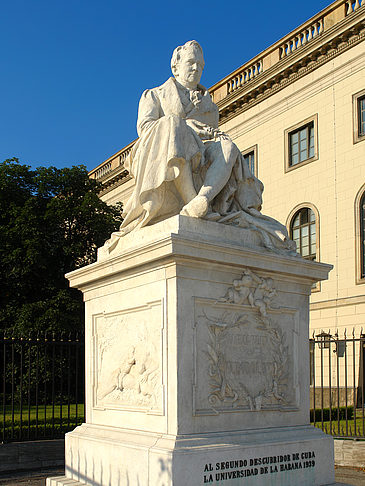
[(301, 164), (358, 138)]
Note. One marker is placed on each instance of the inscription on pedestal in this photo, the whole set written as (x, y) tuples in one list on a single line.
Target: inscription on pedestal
[(244, 350), (227, 469), (128, 359)]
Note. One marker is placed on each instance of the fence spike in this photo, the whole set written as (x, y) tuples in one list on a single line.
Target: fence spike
[(353, 332)]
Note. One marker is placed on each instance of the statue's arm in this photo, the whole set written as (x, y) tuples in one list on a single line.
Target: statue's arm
[(208, 130), (149, 111)]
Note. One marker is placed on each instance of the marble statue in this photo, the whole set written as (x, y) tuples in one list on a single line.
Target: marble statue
[(184, 164)]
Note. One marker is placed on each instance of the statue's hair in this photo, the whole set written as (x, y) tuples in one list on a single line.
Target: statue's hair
[(178, 51)]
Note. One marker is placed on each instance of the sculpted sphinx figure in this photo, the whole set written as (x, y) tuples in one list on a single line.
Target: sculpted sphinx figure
[(182, 163)]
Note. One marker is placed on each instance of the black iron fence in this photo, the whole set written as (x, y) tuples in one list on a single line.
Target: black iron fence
[(337, 383), (42, 389)]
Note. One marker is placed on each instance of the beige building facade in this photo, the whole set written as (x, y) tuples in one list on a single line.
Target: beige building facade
[(297, 111)]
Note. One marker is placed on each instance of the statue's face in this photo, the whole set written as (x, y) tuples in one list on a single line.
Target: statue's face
[(189, 69)]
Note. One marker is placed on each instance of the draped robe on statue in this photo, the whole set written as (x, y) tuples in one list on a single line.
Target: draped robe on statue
[(166, 143)]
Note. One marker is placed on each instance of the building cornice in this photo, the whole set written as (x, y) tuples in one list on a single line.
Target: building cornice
[(299, 63), (113, 179)]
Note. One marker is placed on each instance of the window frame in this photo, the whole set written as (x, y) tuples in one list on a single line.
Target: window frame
[(357, 136), (253, 149), (290, 218), (287, 146), (359, 230)]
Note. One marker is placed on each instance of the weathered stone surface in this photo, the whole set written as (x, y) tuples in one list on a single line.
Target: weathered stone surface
[(222, 377)]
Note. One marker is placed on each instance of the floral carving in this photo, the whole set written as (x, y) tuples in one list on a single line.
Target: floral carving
[(247, 353)]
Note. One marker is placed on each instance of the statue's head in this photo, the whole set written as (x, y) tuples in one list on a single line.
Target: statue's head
[(187, 64)]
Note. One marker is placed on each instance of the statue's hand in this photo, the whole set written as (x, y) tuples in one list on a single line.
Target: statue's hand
[(205, 132)]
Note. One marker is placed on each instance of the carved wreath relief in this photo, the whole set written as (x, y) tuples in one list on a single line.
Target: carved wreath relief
[(128, 350), (248, 359)]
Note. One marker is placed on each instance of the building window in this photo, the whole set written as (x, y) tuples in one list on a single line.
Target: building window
[(250, 157), (358, 104), (303, 232), (301, 144), (361, 115), (358, 107), (360, 235)]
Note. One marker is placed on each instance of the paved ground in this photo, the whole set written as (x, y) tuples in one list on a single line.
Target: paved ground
[(347, 475), (350, 475)]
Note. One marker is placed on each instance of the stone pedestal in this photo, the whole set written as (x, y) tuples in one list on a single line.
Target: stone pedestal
[(197, 363)]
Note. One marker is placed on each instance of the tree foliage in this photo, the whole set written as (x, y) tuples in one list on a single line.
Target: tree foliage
[(51, 222)]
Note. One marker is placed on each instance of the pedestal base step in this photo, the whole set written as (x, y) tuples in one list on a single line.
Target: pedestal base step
[(280, 456), (63, 481)]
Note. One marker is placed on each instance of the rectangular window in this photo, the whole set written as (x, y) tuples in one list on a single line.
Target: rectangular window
[(361, 115), (250, 160), (358, 108), (250, 157), (301, 144)]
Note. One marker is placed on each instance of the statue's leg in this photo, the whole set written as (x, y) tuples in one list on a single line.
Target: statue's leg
[(185, 184), (222, 155)]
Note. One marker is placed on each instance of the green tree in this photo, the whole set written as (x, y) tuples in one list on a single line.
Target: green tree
[(51, 222)]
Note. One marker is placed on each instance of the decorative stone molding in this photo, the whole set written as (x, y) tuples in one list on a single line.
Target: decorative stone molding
[(245, 337), (127, 354), (117, 180), (270, 383), (242, 99)]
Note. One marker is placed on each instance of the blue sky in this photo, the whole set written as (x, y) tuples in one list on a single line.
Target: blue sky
[(73, 71)]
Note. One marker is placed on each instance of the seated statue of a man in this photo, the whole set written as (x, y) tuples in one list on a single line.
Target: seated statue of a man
[(182, 163)]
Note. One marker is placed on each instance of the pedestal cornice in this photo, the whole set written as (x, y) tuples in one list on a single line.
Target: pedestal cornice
[(181, 240)]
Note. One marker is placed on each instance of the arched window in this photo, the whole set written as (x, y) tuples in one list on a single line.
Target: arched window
[(362, 236), (303, 232)]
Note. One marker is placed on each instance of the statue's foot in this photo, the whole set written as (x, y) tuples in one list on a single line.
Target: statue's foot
[(196, 208)]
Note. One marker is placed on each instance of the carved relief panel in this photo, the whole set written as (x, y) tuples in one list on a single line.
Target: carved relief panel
[(127, 364), (245, 350)]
